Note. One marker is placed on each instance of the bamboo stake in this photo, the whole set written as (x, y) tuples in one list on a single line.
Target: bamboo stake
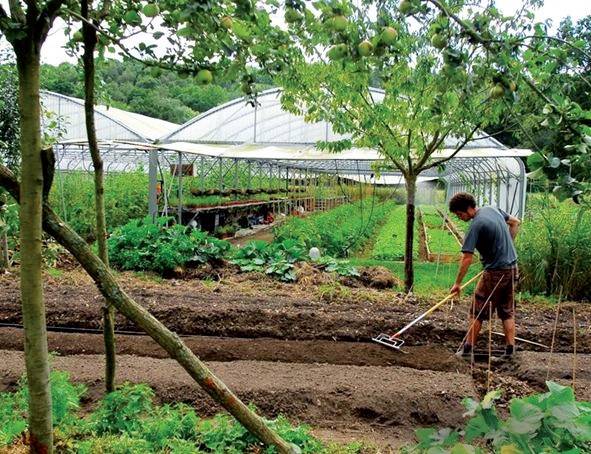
[(574, 348)]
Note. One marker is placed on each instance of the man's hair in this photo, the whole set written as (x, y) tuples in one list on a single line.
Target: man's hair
[(461, 202)]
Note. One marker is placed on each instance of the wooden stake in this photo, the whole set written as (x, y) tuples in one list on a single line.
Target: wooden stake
[(574, 348)]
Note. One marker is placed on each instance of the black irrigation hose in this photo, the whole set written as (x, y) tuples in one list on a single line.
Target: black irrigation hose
[(74, 330)]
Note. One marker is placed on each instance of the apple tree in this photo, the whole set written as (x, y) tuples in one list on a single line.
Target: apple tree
[(439, 89)]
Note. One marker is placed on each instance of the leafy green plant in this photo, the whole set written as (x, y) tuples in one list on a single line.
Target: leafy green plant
[(390, 239), (332, 265), (113, 444), (122, 411), (143, 245), (554, 249), (65, 401), (547, 422), (126, 198), (276, 259), (13, 422), (170, 423), (340, 231)]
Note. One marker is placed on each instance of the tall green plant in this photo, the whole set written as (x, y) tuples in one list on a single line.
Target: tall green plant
[(554, 249)]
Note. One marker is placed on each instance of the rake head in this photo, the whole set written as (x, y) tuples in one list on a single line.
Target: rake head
[(388, 341)]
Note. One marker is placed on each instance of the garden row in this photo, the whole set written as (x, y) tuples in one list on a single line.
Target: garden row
[(163, 246), (128, 421), (436, 238), (341, 231)]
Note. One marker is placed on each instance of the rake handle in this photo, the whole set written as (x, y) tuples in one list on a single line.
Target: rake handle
[(436, 306)]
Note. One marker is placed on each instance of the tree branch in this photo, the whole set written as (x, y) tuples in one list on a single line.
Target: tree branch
[(456, 151), (16, 11)]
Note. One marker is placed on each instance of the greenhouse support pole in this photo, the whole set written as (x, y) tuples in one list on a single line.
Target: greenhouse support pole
[(153, 181), (179, 170), (523, 181), (201, 172)]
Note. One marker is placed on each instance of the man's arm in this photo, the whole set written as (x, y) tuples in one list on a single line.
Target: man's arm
[(513, 224), (465, 263)]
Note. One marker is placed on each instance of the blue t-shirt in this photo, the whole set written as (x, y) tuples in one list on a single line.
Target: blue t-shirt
[(489, 235)]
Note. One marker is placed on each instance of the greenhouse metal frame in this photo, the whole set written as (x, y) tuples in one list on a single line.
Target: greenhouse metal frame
[(239, 140)]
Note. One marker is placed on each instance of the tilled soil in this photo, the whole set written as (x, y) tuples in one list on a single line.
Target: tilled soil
[(393, 399), (303, 350), (253, 306), (223, 349)]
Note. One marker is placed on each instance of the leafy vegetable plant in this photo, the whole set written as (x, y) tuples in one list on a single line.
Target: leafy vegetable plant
[(143, 245), (550, 422)]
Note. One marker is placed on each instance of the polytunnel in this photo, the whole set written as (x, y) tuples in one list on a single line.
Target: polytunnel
[(237, 144), (265, 133)]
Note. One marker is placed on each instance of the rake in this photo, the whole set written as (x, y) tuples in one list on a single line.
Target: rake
[(394, 341)]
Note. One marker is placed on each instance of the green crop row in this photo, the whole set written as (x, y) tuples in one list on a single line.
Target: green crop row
[(439, 238), (128, 420), (340, 231), (390, 240)]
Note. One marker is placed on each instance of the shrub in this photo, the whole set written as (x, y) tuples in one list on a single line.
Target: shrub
[(143, 245)]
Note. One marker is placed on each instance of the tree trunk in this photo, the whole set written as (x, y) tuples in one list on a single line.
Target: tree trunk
[(411, 189), (4, 259), (90, 41), (31, 201), (168, 340)]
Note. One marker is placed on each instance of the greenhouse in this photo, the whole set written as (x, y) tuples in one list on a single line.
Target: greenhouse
[(239, 156)]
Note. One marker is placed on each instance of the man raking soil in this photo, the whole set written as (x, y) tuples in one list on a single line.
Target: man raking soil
[(491, 233)]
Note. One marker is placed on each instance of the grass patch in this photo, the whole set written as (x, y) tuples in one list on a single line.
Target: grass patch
[(430, 278)]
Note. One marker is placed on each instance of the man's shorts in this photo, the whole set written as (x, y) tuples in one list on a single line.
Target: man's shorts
[(495, 290)]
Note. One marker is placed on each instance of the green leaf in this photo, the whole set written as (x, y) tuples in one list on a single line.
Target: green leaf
[(489, 399), (536, 161), (461, 448), (525, 418)]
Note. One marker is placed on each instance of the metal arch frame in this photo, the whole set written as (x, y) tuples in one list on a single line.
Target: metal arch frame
[(489, 174), (101, 114), (265, 93)]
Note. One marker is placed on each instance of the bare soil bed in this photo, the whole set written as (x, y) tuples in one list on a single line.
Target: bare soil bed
[(303, 350), (253, 306)]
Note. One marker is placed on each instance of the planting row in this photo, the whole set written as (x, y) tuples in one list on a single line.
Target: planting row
[(128, 421), (338, 232), (166, 248), (391, 238)]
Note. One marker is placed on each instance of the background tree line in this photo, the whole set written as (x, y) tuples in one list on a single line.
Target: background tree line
[(153, 92)]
